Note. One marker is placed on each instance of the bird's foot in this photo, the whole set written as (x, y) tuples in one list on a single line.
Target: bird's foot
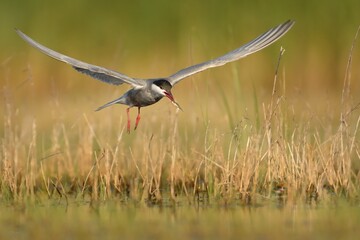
[(137, 121)]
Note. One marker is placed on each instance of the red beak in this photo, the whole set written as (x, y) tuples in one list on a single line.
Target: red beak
[(169, 95)]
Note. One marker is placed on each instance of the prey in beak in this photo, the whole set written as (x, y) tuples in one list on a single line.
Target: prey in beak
[(169, 95)]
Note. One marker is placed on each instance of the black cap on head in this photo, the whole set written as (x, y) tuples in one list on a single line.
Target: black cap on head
[(163, 84)]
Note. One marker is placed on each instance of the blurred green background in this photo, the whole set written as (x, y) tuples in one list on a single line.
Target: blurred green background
[(148, 39)]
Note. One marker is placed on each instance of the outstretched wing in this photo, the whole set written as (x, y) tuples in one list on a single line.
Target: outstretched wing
[(253, 46), (97, 72)]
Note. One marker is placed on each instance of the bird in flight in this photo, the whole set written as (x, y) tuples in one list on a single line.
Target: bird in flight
[(146, 92)]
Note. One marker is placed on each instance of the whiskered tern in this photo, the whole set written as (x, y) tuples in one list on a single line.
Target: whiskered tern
[(146, 92)]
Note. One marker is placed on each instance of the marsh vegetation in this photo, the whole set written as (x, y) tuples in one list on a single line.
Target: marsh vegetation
[(268, 153)]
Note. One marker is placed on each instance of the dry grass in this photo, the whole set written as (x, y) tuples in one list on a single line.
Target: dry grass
[(275, 158)]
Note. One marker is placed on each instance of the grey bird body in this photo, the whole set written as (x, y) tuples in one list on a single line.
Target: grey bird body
[(137, 97), (146, 92)]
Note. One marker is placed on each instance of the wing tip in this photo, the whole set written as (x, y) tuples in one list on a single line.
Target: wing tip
[(19, 32), (289, 23)]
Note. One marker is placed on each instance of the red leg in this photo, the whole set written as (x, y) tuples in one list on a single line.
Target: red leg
[(137, 119), (128, 120)]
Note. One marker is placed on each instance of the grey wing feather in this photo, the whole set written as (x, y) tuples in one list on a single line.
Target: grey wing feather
[(97, 72), (253, 46)]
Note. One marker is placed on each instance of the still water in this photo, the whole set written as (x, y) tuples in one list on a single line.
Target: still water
[(118, 220)]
